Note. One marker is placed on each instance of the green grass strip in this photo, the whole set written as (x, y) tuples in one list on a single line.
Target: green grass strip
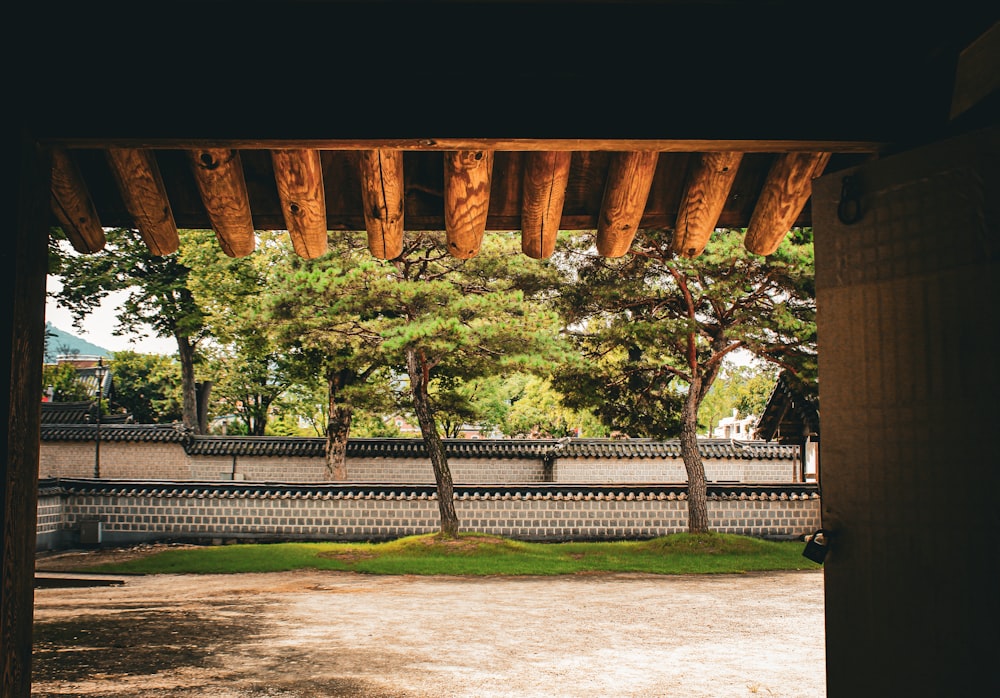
[(472, 554)]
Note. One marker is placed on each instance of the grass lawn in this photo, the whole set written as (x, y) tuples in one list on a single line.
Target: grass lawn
[(478, 554)]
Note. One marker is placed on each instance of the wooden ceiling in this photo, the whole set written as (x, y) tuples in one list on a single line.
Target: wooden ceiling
[(465, 189), (469, 117)]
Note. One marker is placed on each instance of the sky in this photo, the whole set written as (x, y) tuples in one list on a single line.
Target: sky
[(99, 325)]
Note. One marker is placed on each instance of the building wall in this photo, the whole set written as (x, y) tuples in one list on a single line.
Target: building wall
[(131, 516), (119, 459), (908, 380)]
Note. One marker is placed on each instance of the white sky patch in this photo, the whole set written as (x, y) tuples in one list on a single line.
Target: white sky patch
[(98, 327)]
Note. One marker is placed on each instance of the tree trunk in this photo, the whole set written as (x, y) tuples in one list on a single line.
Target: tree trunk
[(189, 403), (258, 424), (417, 370), (337, 430), (338, 426), (697, 488), (202, 392)]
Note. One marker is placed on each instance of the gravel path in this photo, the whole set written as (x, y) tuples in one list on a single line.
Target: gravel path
[(313, 633)]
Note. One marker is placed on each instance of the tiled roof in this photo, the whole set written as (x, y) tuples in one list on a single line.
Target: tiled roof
[(454, 448), (256, 446), (230, 490), (81, 412), (640, 448), (283, 446), (115, 432), (367, 448), (791, 410)]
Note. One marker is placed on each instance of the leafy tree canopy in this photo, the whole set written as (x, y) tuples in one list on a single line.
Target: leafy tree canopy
[(655, 330), (148, 386)]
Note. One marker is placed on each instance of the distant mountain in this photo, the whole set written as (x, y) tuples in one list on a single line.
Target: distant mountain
[(59, 342)]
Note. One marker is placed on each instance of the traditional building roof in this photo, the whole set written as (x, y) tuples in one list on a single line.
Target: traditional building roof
[(285, 446), (80, 412), (792, 411)]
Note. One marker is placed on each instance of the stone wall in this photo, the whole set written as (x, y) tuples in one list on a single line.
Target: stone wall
[(134, 512)]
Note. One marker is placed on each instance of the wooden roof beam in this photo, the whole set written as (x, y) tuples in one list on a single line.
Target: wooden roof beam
[(704, 198), (546, 175), (467, 178), (299, 175), (630, 177), (223, 188), (383, 195), (145, 197), (786, 190), (73, 206)]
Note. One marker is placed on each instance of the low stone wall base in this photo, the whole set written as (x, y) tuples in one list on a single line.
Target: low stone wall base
[(133, 512)]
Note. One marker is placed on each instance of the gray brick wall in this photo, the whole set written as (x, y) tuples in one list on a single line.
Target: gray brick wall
[(119, 459), (649, 470), (550, 516)]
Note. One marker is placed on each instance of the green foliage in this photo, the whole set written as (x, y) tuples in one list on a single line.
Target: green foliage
[(650, 323), (368, 425), (157, 295), (353, 315), (537, 410), (476, 554), (65, 382), (743, 388), (148, 386), (330, 358), (286, 424), (247, 362)]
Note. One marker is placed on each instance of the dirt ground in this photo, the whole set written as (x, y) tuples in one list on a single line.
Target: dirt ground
[(317, 634)]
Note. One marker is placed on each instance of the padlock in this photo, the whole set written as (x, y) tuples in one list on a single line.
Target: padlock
[(815, 550)]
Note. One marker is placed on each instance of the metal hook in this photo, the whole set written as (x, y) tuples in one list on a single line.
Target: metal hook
[(849, 208)]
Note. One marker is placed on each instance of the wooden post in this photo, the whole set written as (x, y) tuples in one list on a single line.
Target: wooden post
[(22, 331)]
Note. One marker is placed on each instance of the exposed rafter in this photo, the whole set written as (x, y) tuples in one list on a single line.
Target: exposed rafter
[(73, 206), (786, 191), (145, 197), (219, 174), (630, 177), (546, 174), (383, 195), (704, 197), (235, 191), (299, 175), (467, 178)]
